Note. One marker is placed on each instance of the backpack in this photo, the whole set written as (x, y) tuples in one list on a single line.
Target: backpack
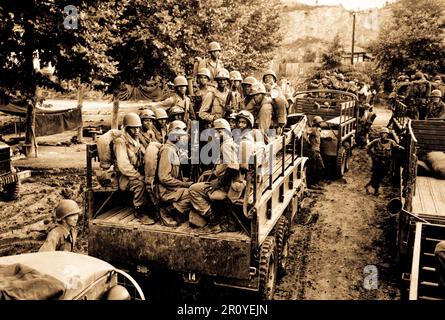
[(105, 149), (151, 159)]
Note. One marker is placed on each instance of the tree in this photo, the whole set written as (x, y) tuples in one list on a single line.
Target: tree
[(332, 57), (309, 55), (412, 39)]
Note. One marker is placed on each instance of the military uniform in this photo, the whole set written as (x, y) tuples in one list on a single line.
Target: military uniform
[(159, 134), (172, 188), (381, 153), (129, 164), (146, 137), (315, 162), (213, 107), (60, 239), (202, 193), (183, 102), (212, 65), (436, 110), (262, 113)]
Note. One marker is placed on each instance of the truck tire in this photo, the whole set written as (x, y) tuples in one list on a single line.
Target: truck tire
[(268, 268), (341, 162), (281, 239), (12, 191)]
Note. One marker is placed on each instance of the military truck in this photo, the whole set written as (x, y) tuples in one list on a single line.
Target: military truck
[(9, 176), (339, 109), (248, 258), (420, 207)]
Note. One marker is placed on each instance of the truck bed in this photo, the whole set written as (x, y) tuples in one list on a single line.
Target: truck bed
[(429, 198), (118, 237)]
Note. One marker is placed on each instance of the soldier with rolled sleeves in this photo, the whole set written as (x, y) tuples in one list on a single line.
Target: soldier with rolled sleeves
[(173, 190), (216, 105), (261, 107), (225, 170), (213, 63), (129, 164), (147, 134), (203, 87), (381, 152), (280, 103), (63, 237), (160, 125), (179, 98)]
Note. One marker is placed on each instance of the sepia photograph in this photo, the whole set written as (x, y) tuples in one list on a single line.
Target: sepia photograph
[(198, 152)]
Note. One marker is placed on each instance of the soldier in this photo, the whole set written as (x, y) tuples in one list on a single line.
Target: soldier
[(176, 113), (247, 84), (235, 86), (160, 125), (63, 237), (436, 107), (225, 170), (179, 98), (261, 107), (315, 164), (129, 165), (202, 80), (216, 104), (279, 101), (381, 152), (147, 134), (173, 190), (231, 118), (214, 63)]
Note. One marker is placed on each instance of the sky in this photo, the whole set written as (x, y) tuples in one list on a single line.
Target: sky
[(350, 4)]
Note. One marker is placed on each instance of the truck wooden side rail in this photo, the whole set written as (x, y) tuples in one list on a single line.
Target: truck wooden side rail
[(247, 258), (422, 201), (341, 114)]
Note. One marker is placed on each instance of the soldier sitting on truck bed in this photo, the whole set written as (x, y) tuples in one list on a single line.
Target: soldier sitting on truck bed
[(217, 187), (129, 164), (173, 190), (436, 107)]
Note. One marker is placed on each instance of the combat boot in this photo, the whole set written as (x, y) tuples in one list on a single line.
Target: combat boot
[(141, 214), (167, 218)]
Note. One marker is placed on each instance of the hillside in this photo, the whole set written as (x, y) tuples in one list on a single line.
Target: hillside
[(311, 27)]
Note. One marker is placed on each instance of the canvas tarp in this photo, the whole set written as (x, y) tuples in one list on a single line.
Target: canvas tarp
[(48, 121)]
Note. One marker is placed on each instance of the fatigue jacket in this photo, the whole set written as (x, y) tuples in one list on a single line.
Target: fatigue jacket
[(214, 106), (129, 159), (146, 137), (436, 110), (228, 159), (381, 150), (169, 172), (213, 66), (159, 135), (60, 239), (183, 102), (315, 139)]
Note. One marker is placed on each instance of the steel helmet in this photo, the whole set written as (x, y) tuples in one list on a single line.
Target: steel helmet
[(232, 116), (214, 46), (118, 292), (270, 72), (222, 124), (161, 114), (222, 74), (249, 80), (317, 120), (175, 110), (65, 208), (177, 127), (436, 93), (246, 115), (180, 81), (384, 130), (204, 72), (258, 88), (131, 119), (235, 76), (147, 114)]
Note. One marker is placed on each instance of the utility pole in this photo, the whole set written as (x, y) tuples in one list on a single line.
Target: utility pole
[(353, 37)]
